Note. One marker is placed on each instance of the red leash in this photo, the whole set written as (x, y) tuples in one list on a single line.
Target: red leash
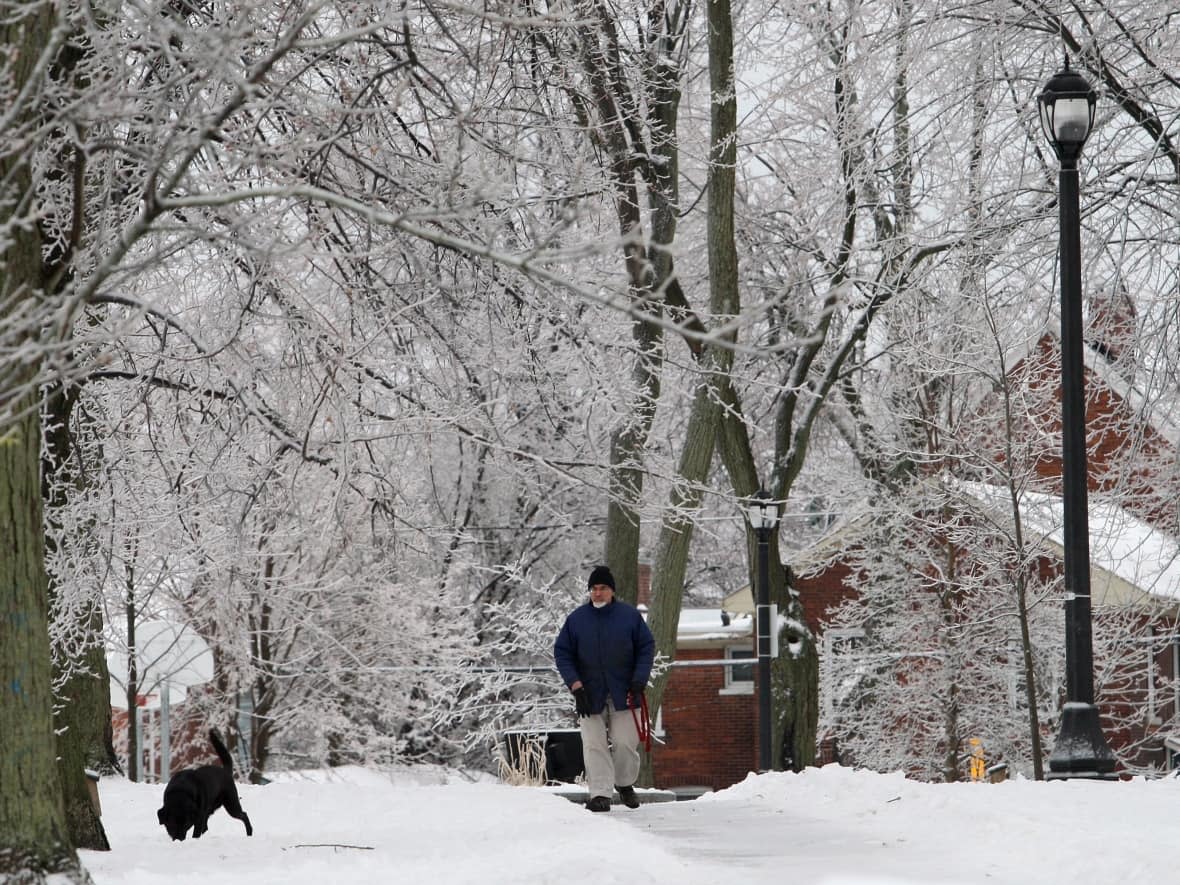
[(642, 724)]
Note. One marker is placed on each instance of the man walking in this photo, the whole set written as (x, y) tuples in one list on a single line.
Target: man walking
[(604, 653)]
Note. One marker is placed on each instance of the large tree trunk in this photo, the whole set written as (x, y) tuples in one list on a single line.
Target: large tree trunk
[(794, 679), (34, 839), (675, 539), (628, 445), (84, 741), (705, 418), (82, 718), (33, 833)]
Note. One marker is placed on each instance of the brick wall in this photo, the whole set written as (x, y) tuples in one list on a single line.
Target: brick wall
[(710, 739), (1123, 451), (821, 593), (1137, 737)]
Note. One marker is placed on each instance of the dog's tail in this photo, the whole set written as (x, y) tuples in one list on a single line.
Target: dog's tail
[(222, 753)]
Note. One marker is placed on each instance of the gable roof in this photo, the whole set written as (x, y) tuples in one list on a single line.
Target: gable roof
[(1160, 410), (1131, 562)]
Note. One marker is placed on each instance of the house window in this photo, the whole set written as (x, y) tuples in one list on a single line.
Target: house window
[(1175, 676), (1017, 683), (1017, 680), (1153, 699), (739, 678), (1172, 747), (842, 667)]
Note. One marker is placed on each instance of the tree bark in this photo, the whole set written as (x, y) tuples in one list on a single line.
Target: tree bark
[(647, 263), (705, 418), (84, 742), (82, 719), (33, 832), (34, 838)]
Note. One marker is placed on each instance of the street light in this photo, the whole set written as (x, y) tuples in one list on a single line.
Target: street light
[(763, 515), (1067, 116)]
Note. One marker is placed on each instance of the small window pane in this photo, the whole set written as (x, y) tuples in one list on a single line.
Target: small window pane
[(739, 674)]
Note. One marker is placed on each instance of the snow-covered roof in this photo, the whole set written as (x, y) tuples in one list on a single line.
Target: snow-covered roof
[(1161, 412), (1126, 553), (1130, 560), (707, 625)]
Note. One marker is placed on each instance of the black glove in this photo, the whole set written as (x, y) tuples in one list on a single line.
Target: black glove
[(636, 693), (581, 701)]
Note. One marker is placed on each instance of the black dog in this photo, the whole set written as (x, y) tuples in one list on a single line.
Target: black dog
[(195, 793)]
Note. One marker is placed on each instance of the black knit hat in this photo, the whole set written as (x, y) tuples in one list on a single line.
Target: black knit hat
[(601, 575)]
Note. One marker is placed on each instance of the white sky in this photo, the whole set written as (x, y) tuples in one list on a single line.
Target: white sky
[(830, 826)]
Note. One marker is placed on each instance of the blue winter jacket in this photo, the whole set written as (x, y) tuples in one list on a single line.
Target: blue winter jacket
[(607, 648)]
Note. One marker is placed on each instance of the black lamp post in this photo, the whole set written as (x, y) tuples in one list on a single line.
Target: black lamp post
[(763, 515), (1067, 116)]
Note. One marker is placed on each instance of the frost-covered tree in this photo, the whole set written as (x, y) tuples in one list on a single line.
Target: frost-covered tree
[(950, 597)]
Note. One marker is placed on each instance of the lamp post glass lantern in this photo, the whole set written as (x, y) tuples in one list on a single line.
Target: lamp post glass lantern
[(761, 511), (1067, 116), (763, 515), (1067, 112)]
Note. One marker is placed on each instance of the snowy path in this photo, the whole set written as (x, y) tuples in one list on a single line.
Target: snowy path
[(839, 827), (728, 833), (766, 844)]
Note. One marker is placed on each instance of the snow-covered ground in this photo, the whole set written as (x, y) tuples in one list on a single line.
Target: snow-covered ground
[(830, 826)]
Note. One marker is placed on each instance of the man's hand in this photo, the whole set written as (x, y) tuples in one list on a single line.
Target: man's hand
[(635, 693), (581, 701)]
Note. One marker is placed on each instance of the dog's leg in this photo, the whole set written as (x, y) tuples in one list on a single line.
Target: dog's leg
[(233, 807)]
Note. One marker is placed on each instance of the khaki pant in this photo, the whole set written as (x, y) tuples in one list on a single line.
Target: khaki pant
[(610, 747)]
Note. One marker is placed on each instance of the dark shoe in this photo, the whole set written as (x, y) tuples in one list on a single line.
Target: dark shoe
[(598, 803), (628, 797)]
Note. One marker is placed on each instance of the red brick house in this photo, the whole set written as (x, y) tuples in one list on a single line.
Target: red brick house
[(1135, 585), (709, 720), (1133, 445)]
